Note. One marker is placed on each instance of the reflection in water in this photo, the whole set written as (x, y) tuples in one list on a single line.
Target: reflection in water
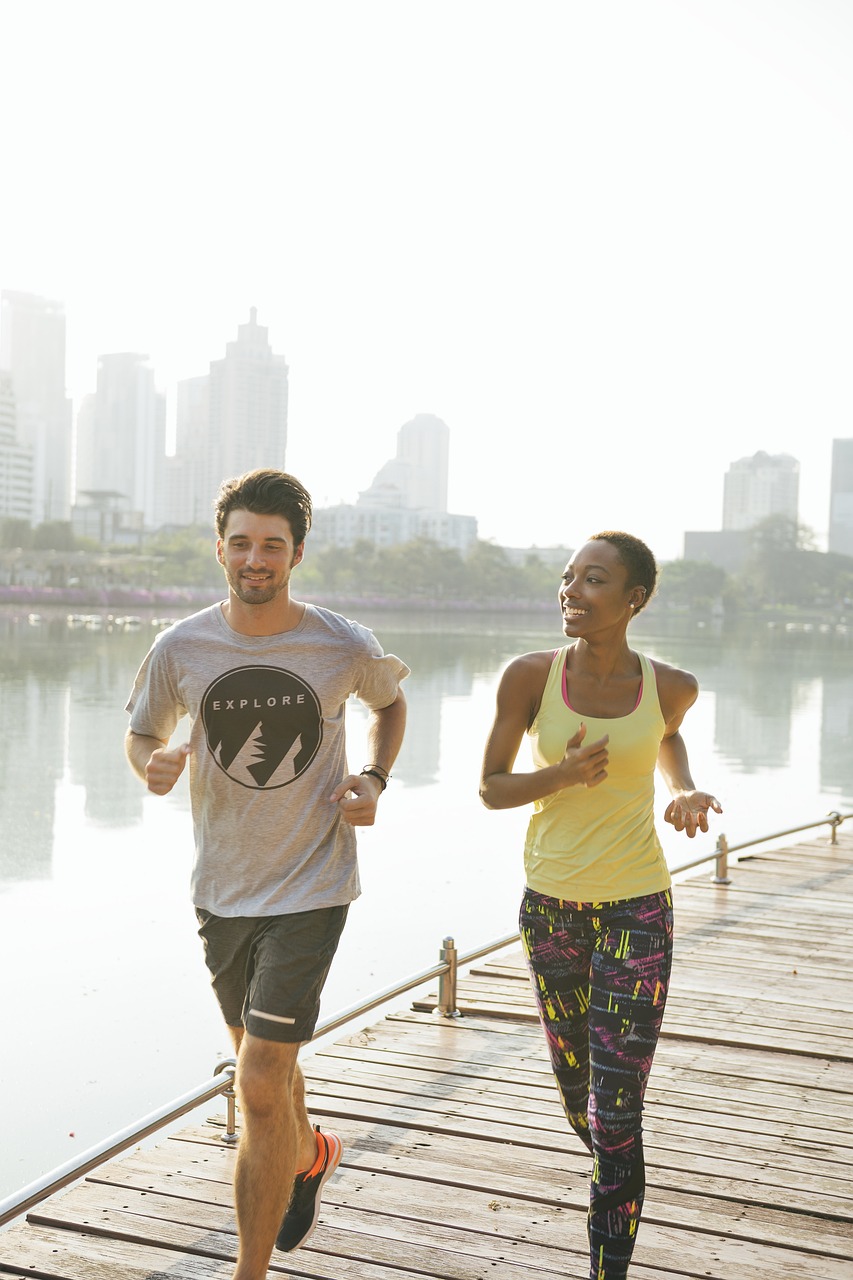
[(61, 697), (778, 710), (62, 693), (836, 733), (761, 681)]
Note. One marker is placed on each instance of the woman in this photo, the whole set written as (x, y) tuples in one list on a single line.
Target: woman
[(596, 916)]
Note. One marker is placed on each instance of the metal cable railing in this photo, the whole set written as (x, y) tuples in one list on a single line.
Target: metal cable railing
[(446, 972)]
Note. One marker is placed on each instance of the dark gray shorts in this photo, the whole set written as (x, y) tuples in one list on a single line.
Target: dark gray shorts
[(268, 972)]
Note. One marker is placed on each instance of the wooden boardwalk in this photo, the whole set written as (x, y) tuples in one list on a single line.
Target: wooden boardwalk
[(458, 1164)]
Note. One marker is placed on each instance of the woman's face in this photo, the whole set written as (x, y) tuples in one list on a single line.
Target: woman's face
[(594, 594)]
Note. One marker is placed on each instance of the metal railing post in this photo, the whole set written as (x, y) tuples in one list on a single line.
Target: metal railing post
[(835, 821), (447, 980), (721, 862), (230, 1135)]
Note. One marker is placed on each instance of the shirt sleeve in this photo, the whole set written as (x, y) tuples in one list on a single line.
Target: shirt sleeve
[(154, 704), (381, 674)]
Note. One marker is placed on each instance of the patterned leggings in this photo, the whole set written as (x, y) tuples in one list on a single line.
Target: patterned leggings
[(600, 972)]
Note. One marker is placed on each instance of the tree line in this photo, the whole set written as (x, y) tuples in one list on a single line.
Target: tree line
[(782, 569)]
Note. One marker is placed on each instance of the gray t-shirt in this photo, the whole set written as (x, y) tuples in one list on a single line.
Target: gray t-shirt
[(268, 749)]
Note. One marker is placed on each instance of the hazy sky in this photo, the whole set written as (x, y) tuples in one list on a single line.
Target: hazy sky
[(607, 241)]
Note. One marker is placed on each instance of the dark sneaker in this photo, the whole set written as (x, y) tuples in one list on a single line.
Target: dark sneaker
[(304, 1208)]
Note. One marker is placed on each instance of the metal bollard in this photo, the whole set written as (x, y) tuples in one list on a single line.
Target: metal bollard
[(721, 862), (447, 981), (230, 1135)]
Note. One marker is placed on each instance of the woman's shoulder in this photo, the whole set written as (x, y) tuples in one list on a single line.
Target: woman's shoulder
[(677, 689), (531, 665), (522, 686), (527, 674)]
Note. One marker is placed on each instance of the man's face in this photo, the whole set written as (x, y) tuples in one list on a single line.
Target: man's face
[(257, 554)]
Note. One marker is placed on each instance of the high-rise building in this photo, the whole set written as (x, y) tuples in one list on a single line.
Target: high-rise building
[(841, 498), (32, 350), (248, 391), (407, 499), (188, 493), (16, 460), (121, 437), (416, 478), (761, 486)]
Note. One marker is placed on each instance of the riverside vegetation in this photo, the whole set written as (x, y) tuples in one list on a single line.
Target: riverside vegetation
[(782, 572)]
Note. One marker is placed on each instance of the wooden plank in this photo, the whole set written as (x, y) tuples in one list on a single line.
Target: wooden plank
[(458, 1162)]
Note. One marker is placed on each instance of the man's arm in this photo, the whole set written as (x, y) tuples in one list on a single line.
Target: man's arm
[(385, 729), (153, 762)]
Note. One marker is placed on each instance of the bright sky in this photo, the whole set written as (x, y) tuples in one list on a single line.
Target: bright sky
[(608, 242)]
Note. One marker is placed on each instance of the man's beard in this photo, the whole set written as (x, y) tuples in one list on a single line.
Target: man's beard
[(262, 593)]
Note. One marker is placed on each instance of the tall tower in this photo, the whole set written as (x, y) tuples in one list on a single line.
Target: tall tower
[(32, 350), (841, 498), (16, 460), (248, 406), (760, 486), (188, 493), (416, 479), (121, 437)]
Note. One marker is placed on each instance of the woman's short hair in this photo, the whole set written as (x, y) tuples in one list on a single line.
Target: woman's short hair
[(637, 559)]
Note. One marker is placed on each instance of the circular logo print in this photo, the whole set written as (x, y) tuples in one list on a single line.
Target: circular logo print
[(263, 726)]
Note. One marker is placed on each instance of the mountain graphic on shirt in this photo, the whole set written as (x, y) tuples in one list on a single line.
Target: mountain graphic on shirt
[(263, 725)]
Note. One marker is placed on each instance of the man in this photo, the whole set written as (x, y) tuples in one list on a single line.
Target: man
[(264, 680)]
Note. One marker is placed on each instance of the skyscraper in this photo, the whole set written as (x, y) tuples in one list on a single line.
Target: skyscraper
[(248, 407), (16, 460), (32, 350), (188, 495), (121, 436), (841, 498), (407, 499), (761, 486), (416, 478)]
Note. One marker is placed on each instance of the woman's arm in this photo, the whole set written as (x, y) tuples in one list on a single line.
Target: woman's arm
[(688, 809), (519, 695)]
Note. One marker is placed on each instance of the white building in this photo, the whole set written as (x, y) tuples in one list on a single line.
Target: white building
[(417, 476), (121, 436), (407, 499), (248, 407), (188, 495), (841, 498), (761, 486), (16, 460), (32, 350)]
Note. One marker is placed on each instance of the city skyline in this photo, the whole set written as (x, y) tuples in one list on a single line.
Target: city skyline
[(609, 246), (235, 418)]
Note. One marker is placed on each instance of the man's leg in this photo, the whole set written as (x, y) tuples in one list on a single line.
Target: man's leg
[(275, 1141)]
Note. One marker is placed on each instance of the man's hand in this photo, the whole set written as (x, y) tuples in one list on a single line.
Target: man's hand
[(164, 767), (688, 811), (359, 808)]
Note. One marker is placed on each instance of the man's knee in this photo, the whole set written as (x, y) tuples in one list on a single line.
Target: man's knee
[(265, 1075)]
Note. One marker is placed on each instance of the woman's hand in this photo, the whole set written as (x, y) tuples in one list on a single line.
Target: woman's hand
[(584, 766), (688, 811)]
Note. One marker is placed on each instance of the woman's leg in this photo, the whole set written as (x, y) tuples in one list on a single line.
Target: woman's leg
[(558, 942), (631, 964)]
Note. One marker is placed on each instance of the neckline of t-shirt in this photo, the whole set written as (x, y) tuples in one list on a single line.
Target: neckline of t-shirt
[(258, 642)]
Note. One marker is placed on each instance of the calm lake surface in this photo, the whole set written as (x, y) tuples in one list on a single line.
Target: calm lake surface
[(104, 994)]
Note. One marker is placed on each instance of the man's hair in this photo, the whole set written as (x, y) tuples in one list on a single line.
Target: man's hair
[(637, 559), (265, 492)]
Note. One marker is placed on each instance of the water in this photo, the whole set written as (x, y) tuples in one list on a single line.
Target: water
[(104, 994)]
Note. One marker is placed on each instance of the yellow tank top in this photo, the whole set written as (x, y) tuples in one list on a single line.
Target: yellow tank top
[(597, 844)]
